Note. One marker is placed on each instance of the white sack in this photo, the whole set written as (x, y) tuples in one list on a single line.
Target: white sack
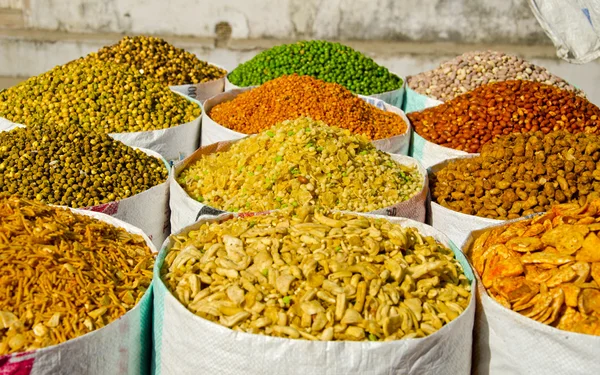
[(429, 153), (394, 97), (573, 27), (121, 347), (187, 344), (426, 152), (453, 224), (507, 342), (185, 210), (204, 90), (212, 132), (414, 102), (148, 210)]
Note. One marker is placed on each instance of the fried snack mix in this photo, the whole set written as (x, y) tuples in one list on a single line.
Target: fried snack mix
[(317, 276), (300, 162), (546, 268), (64, 274)]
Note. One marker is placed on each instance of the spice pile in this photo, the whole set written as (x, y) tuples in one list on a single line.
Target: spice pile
[(473, 69), (546, 268), (156, 58), (300, 162), (470, 120), (64, 274), (330, 62), (67, 166), (318, 276), (521, 174), (96, 96), (290, 97)]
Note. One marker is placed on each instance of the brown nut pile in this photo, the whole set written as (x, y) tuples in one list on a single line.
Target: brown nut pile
[(160, 60), (317, 276), (546, 268), (521, 174), (473, 69), (64, 274), (470, 120), (96, 96), (67, 166), (293, 96)]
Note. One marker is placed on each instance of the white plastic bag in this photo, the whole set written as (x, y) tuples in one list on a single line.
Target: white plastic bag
[(394, 97), (456, 225), (212, 132), (204, 90), (507, 342), (121, 347), (187, 344), (185, 210), (573, 26)]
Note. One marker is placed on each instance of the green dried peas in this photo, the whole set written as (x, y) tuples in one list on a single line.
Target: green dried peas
[(67, 166), (160, 60), (299, 162), (327, 61), (96, 96)]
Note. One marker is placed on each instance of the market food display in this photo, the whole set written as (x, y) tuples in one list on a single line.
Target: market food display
[(64, 274), (471, 120), (327, 61), (290, 97), (156, 58), (317, 276), (96, 96), (477, 68), (68, 166), (546, 268), (520, 174), (300, 162), (289, 259)]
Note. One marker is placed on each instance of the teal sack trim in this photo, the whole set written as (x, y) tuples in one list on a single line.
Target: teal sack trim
[(158, 316)]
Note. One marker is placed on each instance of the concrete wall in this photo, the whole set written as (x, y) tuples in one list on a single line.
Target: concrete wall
[(407, 36), (481, 21)]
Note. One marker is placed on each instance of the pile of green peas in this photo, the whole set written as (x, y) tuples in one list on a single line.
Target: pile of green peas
[(327, 61)]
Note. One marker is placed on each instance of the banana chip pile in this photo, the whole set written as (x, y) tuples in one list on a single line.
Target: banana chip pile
[(546, 268)]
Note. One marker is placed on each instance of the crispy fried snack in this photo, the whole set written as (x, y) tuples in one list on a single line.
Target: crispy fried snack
[(546, 268)]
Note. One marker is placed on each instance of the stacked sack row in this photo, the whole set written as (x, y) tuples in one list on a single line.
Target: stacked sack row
[(298, 246)]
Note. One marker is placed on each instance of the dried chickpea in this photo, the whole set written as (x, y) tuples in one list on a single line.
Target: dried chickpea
[(97, 96), (160, 60), (520, 174)]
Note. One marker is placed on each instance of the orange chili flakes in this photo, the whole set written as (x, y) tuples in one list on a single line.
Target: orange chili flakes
[(294, 96)]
